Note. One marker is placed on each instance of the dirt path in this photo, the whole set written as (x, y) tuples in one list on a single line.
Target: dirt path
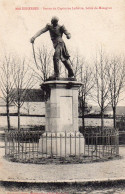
[(113, 169), (109, 170)]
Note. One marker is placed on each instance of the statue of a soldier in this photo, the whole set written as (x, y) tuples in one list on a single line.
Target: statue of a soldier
[(56, 32)]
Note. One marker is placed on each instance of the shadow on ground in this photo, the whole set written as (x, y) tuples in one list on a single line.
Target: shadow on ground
[(112, 187)]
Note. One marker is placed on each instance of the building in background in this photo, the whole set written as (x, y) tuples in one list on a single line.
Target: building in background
[(33, 103)]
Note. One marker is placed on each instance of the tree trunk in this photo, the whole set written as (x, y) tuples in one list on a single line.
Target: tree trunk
[(83, 121), (18, 117), (83, 115), (114, 116), (18, 127), (8, 116), (28, 108), (102, 119)]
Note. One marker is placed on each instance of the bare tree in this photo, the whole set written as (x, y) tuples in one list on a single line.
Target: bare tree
[(7, 84), (23, 80), (84, 74), (87, 79), (77, 64), (43, 63), (102, 84), (116, 77)]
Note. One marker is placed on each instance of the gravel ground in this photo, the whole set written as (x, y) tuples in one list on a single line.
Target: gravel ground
[(113, 169), (109, 170)]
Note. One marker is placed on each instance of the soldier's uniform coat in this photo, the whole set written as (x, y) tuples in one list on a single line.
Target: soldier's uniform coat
[(56, 34)]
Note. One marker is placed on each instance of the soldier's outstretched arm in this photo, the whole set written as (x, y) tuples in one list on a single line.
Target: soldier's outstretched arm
[(68, 35), (39, 33)]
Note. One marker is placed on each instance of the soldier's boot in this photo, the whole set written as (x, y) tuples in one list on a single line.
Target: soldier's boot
[(69, 68)]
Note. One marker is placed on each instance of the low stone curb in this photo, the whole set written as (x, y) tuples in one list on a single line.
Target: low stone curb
[(96, 182)]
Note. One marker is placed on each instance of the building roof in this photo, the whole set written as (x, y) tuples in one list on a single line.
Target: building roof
[(34, 95), (31, 95)]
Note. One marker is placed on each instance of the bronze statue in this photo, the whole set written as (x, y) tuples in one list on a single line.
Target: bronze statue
[(56, 32)]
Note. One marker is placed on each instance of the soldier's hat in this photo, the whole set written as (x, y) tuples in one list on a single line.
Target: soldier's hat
[(54, 19)]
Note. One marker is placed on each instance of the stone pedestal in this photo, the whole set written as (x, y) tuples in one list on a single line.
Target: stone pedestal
[(61, 115), (62, 144), (62, 106)]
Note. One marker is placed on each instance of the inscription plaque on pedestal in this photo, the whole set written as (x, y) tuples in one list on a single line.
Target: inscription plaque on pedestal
[(66, 113)]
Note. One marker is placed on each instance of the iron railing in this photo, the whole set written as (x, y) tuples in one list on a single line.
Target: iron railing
[(36, 147)]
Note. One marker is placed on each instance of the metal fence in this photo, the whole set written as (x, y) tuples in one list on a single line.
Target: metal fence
[(36, 147)]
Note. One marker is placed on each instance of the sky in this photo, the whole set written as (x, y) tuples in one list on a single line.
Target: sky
[(92, 24)]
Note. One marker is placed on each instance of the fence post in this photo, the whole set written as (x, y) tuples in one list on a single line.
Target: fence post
[(96, 144), (56, 142), (46, 144), (51, 145), (75, 143), (6, 143), (60, 145), (117, 143), (79, 145), (70, 144), (65, 143)]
